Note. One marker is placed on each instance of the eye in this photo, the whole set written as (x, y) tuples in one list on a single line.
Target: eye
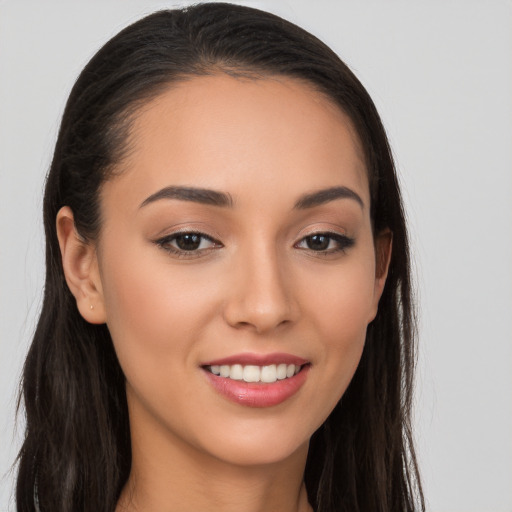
[(325, 242), (187, 243)]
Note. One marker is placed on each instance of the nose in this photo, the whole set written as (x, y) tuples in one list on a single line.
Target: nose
[(260, 297)]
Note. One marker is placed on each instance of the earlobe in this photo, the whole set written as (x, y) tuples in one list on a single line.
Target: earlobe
[(80, 265), (383, 250)]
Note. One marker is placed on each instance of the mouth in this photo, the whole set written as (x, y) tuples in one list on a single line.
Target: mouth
[(253, 373), (257, 380)]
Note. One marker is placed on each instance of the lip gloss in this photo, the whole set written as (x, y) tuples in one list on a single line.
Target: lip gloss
[(258, 394)]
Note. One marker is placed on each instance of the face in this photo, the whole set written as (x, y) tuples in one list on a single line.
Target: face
[(236, 246)]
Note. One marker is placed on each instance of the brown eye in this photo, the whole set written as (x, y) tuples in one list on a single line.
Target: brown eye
[(325, 243), (318, 242), (188, 242)]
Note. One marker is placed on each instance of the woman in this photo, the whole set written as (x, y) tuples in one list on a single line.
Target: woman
[(227, 319)]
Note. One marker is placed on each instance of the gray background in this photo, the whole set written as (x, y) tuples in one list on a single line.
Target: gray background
[(441, 75)]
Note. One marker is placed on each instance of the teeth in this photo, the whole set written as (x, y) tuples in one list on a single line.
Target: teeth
[(269, 373), (236, 372), (253, 373), (281, 371)]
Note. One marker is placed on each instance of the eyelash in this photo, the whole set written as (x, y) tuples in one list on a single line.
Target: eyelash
[(165, 244), (342, 242)]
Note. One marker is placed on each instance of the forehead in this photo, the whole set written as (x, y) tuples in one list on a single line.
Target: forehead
[(231, 133)]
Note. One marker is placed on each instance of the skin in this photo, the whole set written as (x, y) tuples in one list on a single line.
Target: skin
[(258, 288)]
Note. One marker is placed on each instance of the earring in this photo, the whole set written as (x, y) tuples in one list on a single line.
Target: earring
[(91, 306)]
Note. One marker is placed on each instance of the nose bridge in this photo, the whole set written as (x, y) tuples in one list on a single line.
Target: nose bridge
[(261, 297)]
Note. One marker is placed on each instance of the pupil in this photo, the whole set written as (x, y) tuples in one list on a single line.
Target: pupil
[(318, 242), (188, 242)]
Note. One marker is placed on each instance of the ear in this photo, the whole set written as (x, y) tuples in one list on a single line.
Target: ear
[(80, 264), (383, 249)]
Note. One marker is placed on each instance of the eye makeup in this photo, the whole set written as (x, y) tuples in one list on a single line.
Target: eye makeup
[(188, 244), (326, 242), (194, 244)]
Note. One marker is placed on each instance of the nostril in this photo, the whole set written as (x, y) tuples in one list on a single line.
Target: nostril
[(243, 325)]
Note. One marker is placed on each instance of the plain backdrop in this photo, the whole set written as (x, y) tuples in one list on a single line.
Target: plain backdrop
[(440, 73)]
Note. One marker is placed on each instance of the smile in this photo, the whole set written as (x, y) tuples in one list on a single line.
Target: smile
[(257, 380), (252, 373)]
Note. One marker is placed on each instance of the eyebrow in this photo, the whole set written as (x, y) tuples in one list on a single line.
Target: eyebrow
[(326, 195), (215, 198), (196, 195)]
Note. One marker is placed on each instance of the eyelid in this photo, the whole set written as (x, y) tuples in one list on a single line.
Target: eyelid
[(343, 240), (164, 242)]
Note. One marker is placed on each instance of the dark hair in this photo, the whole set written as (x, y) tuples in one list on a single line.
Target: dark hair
[(76, 454)]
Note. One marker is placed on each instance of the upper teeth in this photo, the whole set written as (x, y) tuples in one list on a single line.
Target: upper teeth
[(251, 373)]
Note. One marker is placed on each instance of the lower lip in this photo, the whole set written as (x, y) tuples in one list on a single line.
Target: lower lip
[(258, 394)]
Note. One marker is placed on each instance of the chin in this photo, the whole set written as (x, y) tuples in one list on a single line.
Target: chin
[(257, 454), (256, 445)]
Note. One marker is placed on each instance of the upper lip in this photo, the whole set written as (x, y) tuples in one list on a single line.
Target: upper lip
[(257, 359)]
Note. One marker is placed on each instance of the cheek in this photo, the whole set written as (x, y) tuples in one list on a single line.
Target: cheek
[(341, 310), (153, 313), (343, 303), (343, 325)]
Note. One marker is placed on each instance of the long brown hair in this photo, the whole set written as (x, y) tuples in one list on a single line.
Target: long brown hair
[(76, 453)]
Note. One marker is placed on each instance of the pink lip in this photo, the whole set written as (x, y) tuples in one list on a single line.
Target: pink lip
[(257, 359), (258, 394)]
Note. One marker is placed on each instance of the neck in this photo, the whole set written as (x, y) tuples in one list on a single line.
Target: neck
[(217, 494), (170, 477)]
